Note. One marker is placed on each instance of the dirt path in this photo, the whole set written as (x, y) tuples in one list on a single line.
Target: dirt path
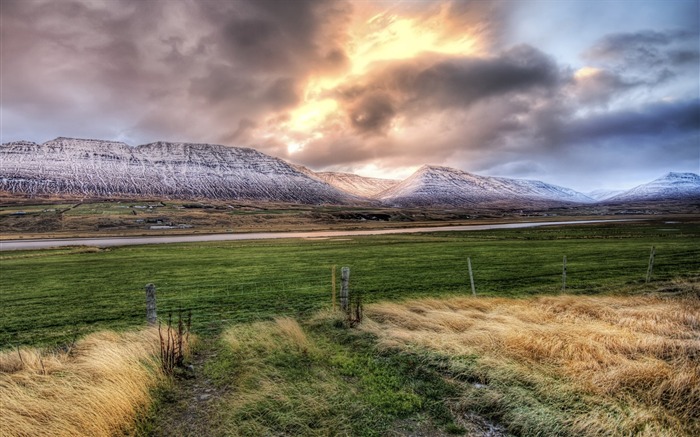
[(190, 407)]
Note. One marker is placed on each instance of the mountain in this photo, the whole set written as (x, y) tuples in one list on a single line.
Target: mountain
[(95, 168), (671, 186), (444, 186), (357, 185), (161, 169), (601, 195)]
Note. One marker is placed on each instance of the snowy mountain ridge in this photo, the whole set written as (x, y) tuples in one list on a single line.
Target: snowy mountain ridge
[(445, 186), (68, 166), (671, 186), (160, 169)]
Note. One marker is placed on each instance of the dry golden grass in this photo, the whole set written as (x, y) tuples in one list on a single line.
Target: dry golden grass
[(96, 389), (642, 352)]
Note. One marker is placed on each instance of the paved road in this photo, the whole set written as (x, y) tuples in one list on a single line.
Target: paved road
[(125, 241)]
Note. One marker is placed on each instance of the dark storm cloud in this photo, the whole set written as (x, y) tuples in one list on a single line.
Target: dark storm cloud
[(665, 120), (461, 82), (372, 113), (278, 35), (173, 70), (432, 83), (652, 57), (644, 60)]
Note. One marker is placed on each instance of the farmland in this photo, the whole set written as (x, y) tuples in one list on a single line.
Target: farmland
[(51, 295), (270, 357)]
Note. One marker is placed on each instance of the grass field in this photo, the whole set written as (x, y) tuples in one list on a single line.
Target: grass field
[(537, 366), (51, 296), (570, 365), (429, 359)]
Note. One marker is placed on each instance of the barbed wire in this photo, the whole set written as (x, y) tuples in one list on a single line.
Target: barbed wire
[(264, 294)]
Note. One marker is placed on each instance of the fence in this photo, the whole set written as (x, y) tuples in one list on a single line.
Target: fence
[(244, 301), (216, 300)]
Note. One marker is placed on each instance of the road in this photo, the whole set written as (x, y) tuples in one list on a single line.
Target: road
[(126, 241)]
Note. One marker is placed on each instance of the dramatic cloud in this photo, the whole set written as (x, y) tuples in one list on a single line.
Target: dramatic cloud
[(661, 120), (437, 84), (375, 87)]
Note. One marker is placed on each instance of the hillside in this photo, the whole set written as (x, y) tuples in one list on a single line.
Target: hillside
[(444, 186), (67, 166), (671, 186), (357, 185)]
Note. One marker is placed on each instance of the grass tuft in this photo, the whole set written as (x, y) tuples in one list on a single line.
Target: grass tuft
[(98, 388)]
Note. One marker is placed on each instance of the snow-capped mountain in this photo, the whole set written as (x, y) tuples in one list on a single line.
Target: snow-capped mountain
[(161, 169), (357, 185), (67, 166), (444, 186), (671, 186), (601, 195)]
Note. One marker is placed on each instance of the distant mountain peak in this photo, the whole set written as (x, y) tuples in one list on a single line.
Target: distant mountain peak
[(671, 186), (434, 185), (432, 168)]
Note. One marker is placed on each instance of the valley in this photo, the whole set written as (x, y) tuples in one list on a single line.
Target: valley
[(72, 217), (420, 363), (456, 327), (96, 169)]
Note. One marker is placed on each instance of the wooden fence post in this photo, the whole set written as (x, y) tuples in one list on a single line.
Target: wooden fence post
[(471, 275), (151, 304), (344, 288), (650, 269), (563, 276), (333, 285)]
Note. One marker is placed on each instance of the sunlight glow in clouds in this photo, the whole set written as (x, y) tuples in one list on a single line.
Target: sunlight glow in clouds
[(382, 38), (585, 72), (386, 37)]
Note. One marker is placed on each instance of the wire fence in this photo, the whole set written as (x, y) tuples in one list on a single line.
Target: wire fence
[(229, 302), (55, 314)]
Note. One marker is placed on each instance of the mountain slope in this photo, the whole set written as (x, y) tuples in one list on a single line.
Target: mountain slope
[(671, 186), (161, 169), (444, 186), (357, 185)]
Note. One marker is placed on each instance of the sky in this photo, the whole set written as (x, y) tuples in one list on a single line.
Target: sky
[(588, 94)]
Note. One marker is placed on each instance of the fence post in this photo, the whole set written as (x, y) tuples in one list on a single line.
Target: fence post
[(471, 275), (344, 288), (563, 276), (650, 269), (333, 285), (151, 304)]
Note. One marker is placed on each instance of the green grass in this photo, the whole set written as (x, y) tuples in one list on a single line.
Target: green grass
[(53, 297), (33, 208), (317, 380)]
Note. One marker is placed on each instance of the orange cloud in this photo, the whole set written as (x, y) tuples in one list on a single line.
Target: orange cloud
[(374, 37)]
